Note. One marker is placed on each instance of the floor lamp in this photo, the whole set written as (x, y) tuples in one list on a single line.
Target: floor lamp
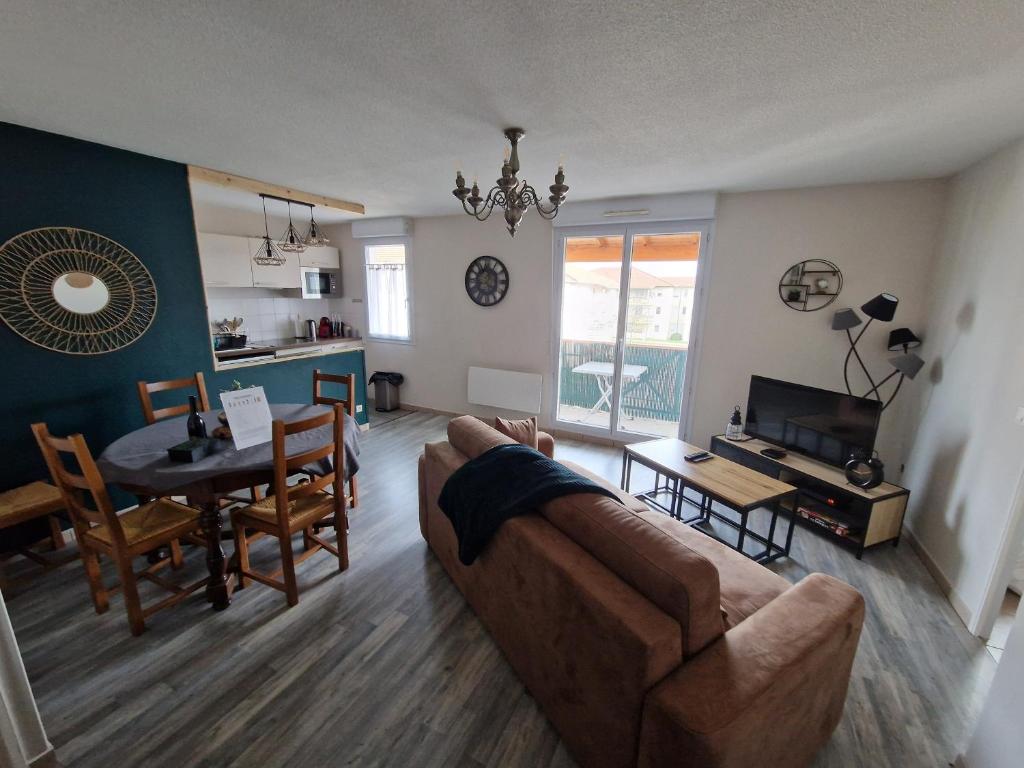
[(883, 309)]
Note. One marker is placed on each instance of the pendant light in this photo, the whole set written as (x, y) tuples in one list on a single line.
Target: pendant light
[(315, 236), (268, 255), (291, 242)]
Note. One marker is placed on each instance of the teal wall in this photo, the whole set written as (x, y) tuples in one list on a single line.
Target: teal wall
[(144, 204)]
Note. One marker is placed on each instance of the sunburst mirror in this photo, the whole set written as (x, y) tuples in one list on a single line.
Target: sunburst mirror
[(74, 291)]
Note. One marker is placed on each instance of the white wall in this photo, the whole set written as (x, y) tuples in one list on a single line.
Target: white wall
[(450, 332), (882, 237), (969, 454), (998, 739), (22, 738)]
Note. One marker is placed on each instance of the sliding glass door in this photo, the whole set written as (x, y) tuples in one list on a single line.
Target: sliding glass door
[(627, 308)]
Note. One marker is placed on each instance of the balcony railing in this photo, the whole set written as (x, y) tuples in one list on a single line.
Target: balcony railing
[(657, 394)]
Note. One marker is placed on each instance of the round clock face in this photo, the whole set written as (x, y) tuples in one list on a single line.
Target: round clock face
[(486, 281)]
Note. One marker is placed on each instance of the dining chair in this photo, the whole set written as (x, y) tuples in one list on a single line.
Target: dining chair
[(101, 531), (33, 501), (198, 384), (293, 508), (147, 388), (347, 380)]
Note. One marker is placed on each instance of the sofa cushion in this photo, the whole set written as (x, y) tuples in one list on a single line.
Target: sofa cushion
[(676, 578), (744, 586), (523, 431), (471, 437)]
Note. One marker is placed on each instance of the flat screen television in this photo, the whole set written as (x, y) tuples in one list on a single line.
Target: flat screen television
[(828, 426)]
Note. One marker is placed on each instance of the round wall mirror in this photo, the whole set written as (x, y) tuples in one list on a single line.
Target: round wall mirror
[(74, 291), (810, 285), (81, 293)]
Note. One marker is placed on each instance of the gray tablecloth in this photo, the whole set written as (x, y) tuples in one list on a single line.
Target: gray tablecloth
[(139, 459)]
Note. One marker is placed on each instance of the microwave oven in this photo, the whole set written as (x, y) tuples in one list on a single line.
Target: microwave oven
[(318, 283)]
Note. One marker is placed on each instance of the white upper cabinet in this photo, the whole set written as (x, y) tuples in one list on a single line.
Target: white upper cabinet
[(225, 260), (284, 276), (323, 256)]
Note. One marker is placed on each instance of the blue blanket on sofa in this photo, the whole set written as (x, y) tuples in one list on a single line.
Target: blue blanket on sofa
[(504, 482)]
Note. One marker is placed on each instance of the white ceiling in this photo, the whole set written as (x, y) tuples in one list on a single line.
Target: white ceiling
[(377, 101)]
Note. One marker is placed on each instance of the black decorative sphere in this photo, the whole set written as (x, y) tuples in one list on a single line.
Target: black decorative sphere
[(486, 281)]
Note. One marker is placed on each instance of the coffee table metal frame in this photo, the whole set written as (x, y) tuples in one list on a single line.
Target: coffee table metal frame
[(675, 486)]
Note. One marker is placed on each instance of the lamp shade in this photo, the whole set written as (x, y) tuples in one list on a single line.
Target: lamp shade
[(909, 364), (845, 319), (903, 338), (882, 307)]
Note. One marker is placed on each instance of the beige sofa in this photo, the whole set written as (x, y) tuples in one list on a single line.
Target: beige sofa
[(645, 642)]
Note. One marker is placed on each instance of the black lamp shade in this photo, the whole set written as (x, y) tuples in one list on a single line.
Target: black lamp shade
[(845, 319), (903, 338), (882, 307), (909, 364)]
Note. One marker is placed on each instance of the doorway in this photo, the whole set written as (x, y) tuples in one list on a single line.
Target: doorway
[(628, 306)]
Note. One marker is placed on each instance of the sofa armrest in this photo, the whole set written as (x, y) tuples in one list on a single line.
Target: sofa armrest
[(769, 692), (546, 444)]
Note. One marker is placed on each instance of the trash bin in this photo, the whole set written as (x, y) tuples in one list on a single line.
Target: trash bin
[(385, 394)]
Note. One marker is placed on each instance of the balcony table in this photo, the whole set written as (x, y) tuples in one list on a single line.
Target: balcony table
[(605, 375), (139, 464)]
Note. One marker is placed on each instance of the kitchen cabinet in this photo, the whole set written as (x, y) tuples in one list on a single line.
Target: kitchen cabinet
[(323, 256), (283, 276), (225, 260)]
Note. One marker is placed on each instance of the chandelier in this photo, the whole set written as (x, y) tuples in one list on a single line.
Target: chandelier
[(508, 193)]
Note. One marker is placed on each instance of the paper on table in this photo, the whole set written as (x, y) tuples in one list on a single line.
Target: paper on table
[(248, 416)]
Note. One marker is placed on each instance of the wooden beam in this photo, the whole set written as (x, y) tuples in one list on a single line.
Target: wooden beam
[(224, 179)]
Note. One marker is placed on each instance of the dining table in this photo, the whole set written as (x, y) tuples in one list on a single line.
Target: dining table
[(139, 463)]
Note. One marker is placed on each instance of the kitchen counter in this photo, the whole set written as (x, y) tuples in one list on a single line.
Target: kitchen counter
[(279, 350)]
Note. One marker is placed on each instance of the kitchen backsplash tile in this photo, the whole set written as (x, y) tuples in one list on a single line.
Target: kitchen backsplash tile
[(267, 315)]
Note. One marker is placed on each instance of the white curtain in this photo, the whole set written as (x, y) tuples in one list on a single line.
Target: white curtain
[(388, 300)]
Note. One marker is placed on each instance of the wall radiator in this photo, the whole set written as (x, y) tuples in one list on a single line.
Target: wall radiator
[(513, 390)]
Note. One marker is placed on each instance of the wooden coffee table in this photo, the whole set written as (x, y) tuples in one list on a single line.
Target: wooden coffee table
[(731, 485)]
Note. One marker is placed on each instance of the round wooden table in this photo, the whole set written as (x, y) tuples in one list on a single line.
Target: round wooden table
[(139, 464)]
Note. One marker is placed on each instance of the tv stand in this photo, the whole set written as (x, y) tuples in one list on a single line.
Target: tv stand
[(857, 518)]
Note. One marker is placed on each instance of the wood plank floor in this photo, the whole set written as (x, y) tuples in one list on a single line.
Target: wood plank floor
[(385, 664)]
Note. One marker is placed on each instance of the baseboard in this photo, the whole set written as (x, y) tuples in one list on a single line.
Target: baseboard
[(425, 409), (47, 759), (959, 606)]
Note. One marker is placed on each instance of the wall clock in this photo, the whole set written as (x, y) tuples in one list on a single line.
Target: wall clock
[(74, 291), (486, 281)]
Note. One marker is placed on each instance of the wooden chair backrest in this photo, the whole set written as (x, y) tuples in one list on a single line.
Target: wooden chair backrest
[(147, 388), (285, 465), (348, 380), (74, 487)]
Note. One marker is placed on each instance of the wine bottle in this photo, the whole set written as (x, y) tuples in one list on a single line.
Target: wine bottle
[(196, 425)]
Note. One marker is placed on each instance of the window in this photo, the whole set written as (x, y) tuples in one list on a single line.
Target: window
[(387, 290)]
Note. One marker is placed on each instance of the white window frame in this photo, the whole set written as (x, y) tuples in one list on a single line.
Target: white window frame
[(371, 242), (706, 227)]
